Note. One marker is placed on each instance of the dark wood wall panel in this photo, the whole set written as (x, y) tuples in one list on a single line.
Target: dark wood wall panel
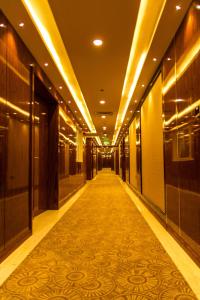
[(181, 108), (29, 142), (71, 173), (14, 132), (3, 131)]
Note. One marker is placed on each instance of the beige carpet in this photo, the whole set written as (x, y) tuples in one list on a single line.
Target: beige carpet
[(101, 249)]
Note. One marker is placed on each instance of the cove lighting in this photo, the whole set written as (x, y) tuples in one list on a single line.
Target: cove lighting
[(43, 19), (98, 43), (146, 26)]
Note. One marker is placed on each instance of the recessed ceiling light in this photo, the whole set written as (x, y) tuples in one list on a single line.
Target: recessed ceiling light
[(60, 87), (169, 58), (103, 117), (43, 113), (104, 127), (98, 42), (46, 64), (2, 25), (102, 101), (198, 6), (142, 85), (178, 7), (69, 101), (154, 59), (61, 102), (21, 24)]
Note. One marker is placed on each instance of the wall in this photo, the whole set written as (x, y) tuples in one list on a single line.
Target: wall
[(71, 172), (170, 137), (152, 146), (14, 139), (181, 66), (28, 137)]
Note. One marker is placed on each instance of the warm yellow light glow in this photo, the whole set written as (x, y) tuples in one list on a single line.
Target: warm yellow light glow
[(178, 7), (181, 66), (146, 25), (66, 119), (43, 19), (67, 139), (14, 107), (21, 24), (98, 43), (182, 113), (102, 101), (19, 74)]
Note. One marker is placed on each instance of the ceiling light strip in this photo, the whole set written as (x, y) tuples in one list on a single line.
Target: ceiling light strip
[(43, 19), (146, 25)]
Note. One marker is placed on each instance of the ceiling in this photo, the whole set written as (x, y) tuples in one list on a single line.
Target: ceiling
[(79, 23), (100, 72)]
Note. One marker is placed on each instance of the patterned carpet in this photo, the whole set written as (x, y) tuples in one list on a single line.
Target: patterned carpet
[(101, 249)]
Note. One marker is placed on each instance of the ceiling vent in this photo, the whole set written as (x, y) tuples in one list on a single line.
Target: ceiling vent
[(104, 113)]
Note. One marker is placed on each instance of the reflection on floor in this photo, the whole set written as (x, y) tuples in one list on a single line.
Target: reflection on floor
[(102, 248)]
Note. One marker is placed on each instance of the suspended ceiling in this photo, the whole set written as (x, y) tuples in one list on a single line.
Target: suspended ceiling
[(100, 72)]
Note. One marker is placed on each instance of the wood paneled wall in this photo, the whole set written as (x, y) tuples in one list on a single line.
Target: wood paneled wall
[(180, 69), (22, 139), (181, 108)]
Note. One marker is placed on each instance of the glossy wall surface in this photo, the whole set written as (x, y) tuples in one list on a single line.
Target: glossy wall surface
[(38, 163), (152, 146), (71, 173), (127, 159), (181, 107), (135, 153), (14, 138)]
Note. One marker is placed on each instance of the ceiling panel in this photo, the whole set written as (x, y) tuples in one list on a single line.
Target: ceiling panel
[(80, 22)]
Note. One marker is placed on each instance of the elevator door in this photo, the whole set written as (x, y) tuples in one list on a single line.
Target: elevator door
[(41, 133)]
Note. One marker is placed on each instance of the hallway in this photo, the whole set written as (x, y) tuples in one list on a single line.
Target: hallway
[(101, 249)]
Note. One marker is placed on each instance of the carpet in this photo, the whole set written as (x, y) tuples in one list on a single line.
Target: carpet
[(102, 248)]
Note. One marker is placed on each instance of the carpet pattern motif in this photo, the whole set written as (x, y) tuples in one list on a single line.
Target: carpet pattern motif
[(101, 249)]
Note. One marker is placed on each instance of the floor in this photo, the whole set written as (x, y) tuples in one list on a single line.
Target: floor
[(103, 246)]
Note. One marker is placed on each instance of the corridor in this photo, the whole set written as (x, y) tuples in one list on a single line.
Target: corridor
[(102, 248)]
